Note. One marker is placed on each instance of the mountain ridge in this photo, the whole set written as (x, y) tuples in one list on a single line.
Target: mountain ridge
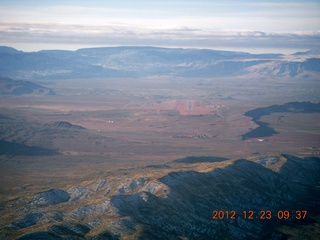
[(173, 203), (132, 61)]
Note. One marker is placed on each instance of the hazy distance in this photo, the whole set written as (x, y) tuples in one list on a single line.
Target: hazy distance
[(251, 26)]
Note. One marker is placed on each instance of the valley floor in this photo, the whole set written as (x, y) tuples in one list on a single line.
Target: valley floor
[(110, 152)]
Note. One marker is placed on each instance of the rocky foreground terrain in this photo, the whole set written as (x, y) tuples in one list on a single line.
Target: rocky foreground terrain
[(175, 200)]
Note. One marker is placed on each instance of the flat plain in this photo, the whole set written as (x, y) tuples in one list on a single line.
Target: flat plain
[(138, 122)]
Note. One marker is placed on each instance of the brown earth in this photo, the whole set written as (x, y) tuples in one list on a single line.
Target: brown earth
[(146, 121), (132, 124)]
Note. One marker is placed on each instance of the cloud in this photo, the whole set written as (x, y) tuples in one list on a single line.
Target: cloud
[(182, 36)]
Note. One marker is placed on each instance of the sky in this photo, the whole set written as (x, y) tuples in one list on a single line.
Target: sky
[(282, 26)]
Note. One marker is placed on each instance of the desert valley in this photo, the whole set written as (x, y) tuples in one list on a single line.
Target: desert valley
[(146, 143)]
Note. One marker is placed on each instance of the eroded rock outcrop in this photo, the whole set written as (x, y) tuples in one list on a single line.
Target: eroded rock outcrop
[(51, 197), (177, 203)]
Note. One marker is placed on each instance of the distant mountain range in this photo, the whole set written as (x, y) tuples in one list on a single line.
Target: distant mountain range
[(109, 62)]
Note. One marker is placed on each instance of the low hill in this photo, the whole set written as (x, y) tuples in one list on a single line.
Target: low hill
[(9, 86), (63, 125), (18, 149)]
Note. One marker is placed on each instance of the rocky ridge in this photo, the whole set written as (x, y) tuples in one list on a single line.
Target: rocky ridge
[(175, 202)]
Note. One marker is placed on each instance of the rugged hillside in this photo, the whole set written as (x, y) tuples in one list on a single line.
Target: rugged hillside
[(150, 61), (263, 130), (290, 68), (22, 137), (177, 202), (9, 86)]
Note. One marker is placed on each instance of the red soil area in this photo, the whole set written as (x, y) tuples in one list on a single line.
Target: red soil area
[(184, 107)]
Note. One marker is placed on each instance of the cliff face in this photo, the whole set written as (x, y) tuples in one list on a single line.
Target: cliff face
[(178, 203)]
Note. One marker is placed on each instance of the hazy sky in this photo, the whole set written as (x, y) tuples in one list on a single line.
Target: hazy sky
[(244, 25)]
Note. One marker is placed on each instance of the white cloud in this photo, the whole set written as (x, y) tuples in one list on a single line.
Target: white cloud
[(118, 34), (212, 24)]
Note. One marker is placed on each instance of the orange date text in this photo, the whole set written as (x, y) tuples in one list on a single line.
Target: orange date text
[(260, 214)]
